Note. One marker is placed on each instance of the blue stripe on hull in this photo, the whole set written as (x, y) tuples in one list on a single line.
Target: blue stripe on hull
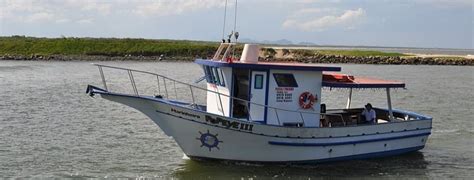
[(343, 158), (346, 142)]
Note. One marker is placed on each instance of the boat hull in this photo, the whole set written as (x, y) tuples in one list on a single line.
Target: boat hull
[(209, 136)]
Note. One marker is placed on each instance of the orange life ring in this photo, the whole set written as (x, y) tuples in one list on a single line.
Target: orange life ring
[(307, 100)]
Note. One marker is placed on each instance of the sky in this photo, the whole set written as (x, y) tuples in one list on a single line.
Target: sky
[(394, 23)]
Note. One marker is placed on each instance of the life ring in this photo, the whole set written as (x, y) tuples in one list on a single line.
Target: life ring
[(307, 100)]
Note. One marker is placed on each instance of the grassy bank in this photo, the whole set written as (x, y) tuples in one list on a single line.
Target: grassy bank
[(28, 46)]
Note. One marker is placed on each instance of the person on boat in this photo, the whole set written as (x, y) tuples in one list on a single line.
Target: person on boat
[(369, 114)]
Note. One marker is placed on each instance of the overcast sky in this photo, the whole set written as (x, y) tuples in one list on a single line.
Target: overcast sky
[(405, 23)]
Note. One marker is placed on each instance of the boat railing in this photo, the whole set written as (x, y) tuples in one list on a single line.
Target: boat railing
[(170, 88), (224, 51)]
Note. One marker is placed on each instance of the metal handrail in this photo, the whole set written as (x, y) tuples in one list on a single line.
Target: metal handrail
[(132, 81)]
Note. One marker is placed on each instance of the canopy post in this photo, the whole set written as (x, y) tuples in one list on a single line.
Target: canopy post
[(389, 102), (349, 99)]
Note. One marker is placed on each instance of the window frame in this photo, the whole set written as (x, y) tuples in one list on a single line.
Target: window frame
[(215, 74), (222, 77), (255, 81), (277, 76)]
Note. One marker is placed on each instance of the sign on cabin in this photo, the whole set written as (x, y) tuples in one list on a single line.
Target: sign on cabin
[(284, 94)]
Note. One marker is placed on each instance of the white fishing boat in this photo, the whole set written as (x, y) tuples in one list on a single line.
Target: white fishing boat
[(269, 112)]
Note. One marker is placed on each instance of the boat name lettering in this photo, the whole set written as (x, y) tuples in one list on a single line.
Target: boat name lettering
[(229, 124), (185, 113)]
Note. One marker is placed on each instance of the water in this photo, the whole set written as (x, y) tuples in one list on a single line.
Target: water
[(49, 127)]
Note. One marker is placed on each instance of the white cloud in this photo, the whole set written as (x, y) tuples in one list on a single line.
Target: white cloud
[(55, 11), (320, 1), (313, 11), (63, 20), (347, 19), (39, 17), (85, 21), (66, 11), (446, 2), (172, 7)]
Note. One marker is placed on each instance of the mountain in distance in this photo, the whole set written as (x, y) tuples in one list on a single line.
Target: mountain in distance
[(281, 42), (277, 42), (306, 44)]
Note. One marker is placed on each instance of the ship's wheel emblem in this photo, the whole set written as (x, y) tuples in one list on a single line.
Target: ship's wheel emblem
[(209, 140)]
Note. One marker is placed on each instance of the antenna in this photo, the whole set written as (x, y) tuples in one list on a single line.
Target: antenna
[(225, 17), (235, 19), (234, 32)]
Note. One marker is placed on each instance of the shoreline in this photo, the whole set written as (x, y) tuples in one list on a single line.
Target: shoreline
[(317, 58), (116, 49)]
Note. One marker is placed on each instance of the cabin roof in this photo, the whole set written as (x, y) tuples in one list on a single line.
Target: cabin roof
[(335, 80), (268, 65)]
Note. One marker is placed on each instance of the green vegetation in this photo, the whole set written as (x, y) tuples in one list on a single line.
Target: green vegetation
[(27, 46), (269, 52)]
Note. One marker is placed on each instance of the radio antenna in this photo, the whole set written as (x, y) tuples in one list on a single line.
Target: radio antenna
[(236, 34), (225, 17)]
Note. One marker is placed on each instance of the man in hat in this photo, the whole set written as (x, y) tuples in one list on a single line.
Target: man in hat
[(369, 114)]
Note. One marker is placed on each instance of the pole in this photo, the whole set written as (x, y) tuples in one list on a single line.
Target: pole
[(349, 99), (389, 102), (225, 14)]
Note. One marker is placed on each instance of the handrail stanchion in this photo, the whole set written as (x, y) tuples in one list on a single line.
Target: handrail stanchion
[(133, 82), (175, 90), (342, 118), (301, 115), (158, 80), (192, 94), (103, 77), (166, 89), (220, 101), (278, 119), (248, 111)]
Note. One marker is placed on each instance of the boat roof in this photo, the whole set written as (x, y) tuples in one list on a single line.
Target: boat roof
[(268, 65), (335, 80)]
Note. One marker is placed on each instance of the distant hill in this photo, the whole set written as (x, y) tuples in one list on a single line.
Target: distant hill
[(277, 42)]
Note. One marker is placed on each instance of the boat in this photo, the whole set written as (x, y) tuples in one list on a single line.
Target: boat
[(268, 112)]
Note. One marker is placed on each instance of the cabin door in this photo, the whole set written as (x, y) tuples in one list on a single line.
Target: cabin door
[(258, 89)]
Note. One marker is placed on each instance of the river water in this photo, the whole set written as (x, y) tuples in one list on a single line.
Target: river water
[(50, 128)]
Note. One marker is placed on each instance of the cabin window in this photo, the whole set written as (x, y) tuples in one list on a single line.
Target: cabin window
[(208, 73), (222, 78), (258, 81), (285, 80), (214, 75)]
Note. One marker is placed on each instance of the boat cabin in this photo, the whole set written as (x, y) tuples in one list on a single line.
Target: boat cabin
[(287, 94)]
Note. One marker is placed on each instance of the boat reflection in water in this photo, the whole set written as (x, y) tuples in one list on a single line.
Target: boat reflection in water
[(407, 165)]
